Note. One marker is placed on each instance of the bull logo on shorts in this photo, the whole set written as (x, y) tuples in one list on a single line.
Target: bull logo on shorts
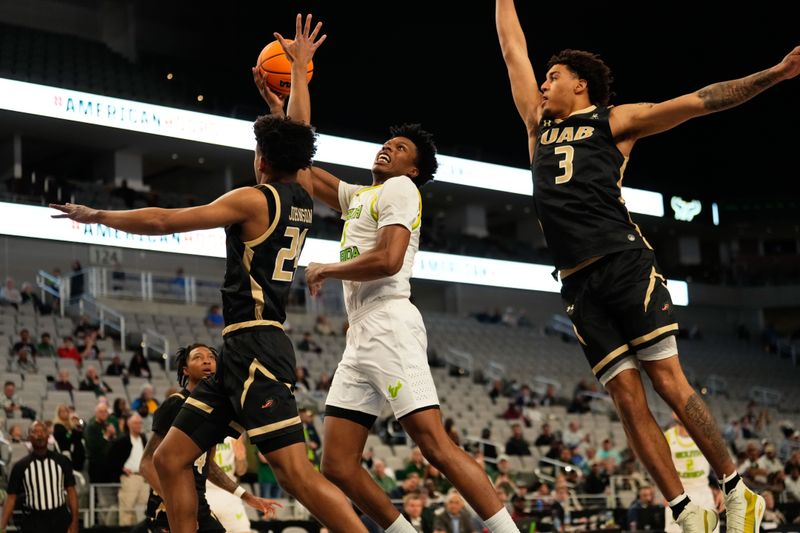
[(395, 389)]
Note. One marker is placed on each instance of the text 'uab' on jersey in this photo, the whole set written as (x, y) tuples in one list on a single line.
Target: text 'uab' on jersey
[(365, 210), (259, 273), (577, 180)]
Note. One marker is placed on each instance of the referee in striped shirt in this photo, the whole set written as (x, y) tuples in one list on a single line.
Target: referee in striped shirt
[(45, 483)]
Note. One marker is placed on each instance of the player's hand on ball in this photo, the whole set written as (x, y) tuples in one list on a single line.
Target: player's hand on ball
[(305, 41), (78, 213), (268, 507), (314, 277), (274, 100)]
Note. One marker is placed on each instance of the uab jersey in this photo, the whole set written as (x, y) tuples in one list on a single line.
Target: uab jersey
[(259, 272), (577, 179)]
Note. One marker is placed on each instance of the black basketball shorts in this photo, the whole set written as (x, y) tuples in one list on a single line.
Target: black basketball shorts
[(246, 395), (619, 306)]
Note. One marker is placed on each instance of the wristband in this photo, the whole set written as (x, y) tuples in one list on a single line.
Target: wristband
[(239, 492)]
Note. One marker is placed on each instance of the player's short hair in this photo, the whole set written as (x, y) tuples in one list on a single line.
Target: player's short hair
[(426, 150), (182, 359), (589, 67), (288, 145)]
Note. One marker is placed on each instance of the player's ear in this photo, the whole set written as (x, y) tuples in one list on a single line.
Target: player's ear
[(413, 173), (581, 86)]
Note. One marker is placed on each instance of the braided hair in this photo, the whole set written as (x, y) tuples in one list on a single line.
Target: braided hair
[(182, 359)]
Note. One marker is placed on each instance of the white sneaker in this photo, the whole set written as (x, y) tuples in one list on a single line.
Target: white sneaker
[(744, 509), (695, 519)]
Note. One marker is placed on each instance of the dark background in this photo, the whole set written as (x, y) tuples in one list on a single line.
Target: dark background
[(439, 63)]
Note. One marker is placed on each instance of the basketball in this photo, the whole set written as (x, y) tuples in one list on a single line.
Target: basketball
[(277, 69)]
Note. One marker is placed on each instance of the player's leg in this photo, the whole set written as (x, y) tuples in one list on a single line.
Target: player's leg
[(297, 476), (174, 460), (341, 463)]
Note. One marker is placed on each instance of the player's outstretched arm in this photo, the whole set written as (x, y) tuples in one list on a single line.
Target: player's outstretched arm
[(300, 52), (221, 480), (385, 260), (634, 121), (524, 87), (234, 207)]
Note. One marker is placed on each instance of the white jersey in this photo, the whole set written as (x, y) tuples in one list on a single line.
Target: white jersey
[(693, 468), (365, 210), (228, 508)]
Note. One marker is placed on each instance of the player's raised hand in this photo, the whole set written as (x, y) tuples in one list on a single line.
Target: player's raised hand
[(78, 213), (274, 100), (305, 43), (268, 507), (790, 66)]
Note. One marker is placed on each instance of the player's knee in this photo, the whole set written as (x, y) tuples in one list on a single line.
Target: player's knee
[(335, 471), (436, 451), (628, 403)]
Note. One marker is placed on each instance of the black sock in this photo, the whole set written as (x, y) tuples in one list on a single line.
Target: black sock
[(679, 506), (729, 485)]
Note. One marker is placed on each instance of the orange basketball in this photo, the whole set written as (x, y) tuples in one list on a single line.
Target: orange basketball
[(277, 69)]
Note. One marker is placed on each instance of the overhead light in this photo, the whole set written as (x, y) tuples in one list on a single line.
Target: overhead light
[(200, 98), (169, 75)]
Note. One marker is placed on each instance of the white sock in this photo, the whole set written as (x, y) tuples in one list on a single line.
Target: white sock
[(501, 523), (401, 525)]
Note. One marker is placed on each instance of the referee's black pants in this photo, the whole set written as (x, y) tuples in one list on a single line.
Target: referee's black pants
[(53, 521)]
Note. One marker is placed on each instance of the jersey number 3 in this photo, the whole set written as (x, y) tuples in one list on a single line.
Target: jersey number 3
[(292, 253), (568, 152)]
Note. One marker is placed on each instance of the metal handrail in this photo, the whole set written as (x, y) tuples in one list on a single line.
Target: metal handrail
[(105, 315), (152, 340)]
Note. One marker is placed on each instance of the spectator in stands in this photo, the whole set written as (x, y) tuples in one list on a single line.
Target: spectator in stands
[(116, 367), (412, 510), (518, 508), (503, 477), (791, 440), (635, 515), (84, 326), (750, 468), (792, 483), (597, 480), (179, 282), (323, 326), (9, 295), (125, 193), (12, 405), (68, 350), (769, 461), (546, 437), (410, 484), (63, 381), (68, 434), (15, 433), (488, 448), (25, 340), (24, 362), (214, 318), (99, 435), (383, 478), (267, 483), (772, 516), (496, 391), (324, 382), (308, 344), (76, 280), (47, 482), (92, 382), (435, 481), (301, 379), (415, 463), (550, 398), (313, 442), (517, 445), (88, 347), (125, 456), (452, 432), (138, 367), (45, 348), (573, 435), (525, 397), (146, 398), (120, 409), (609, 452), (455, 518)]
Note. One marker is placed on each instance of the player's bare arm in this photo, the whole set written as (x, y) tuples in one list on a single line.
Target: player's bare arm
[(147, 469), (524, 87), (246, 206), (326, 187), (385, 260), (219, 478), (633, 121)]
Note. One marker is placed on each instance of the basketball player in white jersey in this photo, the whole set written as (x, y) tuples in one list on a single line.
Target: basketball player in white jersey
[(385, 359), (693, 469), (230, 456)]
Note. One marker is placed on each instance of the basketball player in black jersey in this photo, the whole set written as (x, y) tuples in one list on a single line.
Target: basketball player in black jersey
[(265, 228), (194, 363), (611, 286)]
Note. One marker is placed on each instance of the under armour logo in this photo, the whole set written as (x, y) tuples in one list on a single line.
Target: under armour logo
[(547, 123), (685, 210), (570, 308), (595, 115)]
